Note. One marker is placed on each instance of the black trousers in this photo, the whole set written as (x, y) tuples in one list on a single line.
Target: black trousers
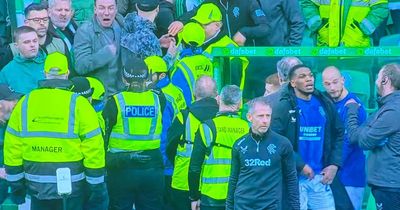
[(142, 187), (75, 203), (180, 199), (386, 198)]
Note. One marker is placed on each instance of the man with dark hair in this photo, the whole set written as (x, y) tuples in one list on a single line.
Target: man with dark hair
[(26, 69), (381, 135), (97, 46), (211, 156), (36, 16), (261, 161), (309, 120)]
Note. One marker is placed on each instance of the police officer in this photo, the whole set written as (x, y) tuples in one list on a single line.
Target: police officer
[(175, 102), (192, 64), (212, 146), (133, 129), (52, 128), (181, 137)]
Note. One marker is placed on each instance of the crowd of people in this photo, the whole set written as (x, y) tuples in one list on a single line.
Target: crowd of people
[(119, 109)]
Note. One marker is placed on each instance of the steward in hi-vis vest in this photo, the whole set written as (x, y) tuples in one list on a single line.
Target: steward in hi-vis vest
[(181, 138), (192, 64), (211, 156), (53, 128)]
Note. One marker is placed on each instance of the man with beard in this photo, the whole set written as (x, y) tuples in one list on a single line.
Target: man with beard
[(381, 135), (63, 26), (309, 120), (352, 173)]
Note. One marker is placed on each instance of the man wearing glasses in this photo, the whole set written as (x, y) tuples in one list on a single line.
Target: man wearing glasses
[(37, 17)]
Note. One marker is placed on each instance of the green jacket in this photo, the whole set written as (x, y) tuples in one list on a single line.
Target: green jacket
[(30, 72)]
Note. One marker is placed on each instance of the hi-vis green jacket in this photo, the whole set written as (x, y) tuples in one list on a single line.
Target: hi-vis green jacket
[(53, 128), (344, 22)]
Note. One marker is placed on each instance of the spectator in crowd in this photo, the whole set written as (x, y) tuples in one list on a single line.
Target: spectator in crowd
[(211, 156), (352, 173), (310, 121), (181, 137), (192, 63), (97, 46), (83, 10), (333, 28), (63, 26), (381, 135), (133, 129), (272, 84), (243, 21), (158, 72), (36, 16), (163, 18), (40, 141), (283, 67), (26, 69), (210, 17), (16, 12), (258, 170), (8, 100)]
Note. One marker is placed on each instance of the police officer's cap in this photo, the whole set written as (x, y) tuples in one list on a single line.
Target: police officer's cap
[(135, 70), (82, 87)]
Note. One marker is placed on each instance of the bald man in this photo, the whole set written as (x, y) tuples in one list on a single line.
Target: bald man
[(352, 174)]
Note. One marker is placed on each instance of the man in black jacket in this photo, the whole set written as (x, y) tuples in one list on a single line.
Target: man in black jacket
[(309, 120), (261, 161), (381, 135), (181, 136)]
